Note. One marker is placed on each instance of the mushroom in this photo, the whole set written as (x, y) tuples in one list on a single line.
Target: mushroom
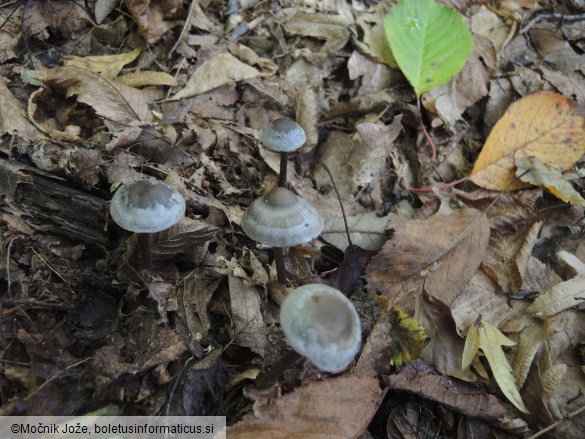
[(281, 219), (323, 325), (283, 135), (144, 207)]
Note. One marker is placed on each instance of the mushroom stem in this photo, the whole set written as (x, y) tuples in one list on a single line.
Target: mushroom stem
[(144, 246), (279, 262), (283, 166)]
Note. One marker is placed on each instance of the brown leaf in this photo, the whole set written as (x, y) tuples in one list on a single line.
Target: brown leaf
[(338, 407), (440, 254), (445, 347), (215, 72), (507, 211), (149, 15), (450, 100), (331, 28), (374, 359), (62, 17), (109, 65), (508, 255), (116, 102), (136, 352), (249, 327), (12, 116), (307, 114), (423, 381), (187, 235)]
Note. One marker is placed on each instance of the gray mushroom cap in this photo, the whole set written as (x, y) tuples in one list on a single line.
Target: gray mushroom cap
[(281, 219), (146, 206), (323, 325), (283, 135)]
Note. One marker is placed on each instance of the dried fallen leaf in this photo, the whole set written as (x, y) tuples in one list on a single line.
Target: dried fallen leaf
[(339, 407), (12, 116), (508, 255), (116, 102), (420, 379), (440, 253), (562, 296), (215, 72), (532, 170), (445, 346), (108, 65), (528, 344), (249, 327), (334, 29), (144, 79), (489, 339), (545, 125)]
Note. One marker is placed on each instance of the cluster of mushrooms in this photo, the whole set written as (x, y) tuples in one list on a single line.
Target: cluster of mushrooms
[(318, 321)]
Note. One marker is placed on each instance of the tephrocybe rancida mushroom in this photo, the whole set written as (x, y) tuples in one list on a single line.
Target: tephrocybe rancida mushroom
[(144, 207), (323, 325), (281, 219), (283, 135)]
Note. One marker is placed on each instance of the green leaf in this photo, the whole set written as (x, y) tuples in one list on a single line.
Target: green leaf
[(429, 41)]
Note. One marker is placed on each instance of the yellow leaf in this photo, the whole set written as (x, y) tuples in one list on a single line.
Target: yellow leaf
[(142, 79), (544, 125), (532, 170), (407, 337), (471, 346), (562, 296), (108, 65), (487, 337)]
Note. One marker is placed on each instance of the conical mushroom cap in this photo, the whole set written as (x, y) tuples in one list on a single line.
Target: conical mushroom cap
[(322, 324), (281, 219), (146, 206), (283, 135)]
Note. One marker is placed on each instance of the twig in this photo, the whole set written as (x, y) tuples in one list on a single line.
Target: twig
[(54, 270), (556, 423), (351, 248), (552, 16), (425, 132)]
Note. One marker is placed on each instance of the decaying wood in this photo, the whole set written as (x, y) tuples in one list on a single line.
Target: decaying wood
[(48, 203)]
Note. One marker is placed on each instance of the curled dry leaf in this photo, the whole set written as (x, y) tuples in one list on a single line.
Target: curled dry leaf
[(440, 254), (115, 102), (150, 18), (544, 125), (445, 346), (338, 407), (187, 235)]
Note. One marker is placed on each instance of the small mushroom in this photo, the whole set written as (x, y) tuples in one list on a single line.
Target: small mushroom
[(323, 325), (283, 135), (281, 219), (144, 207)]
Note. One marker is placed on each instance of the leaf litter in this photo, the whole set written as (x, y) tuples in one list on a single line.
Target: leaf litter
[(178, 92)]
